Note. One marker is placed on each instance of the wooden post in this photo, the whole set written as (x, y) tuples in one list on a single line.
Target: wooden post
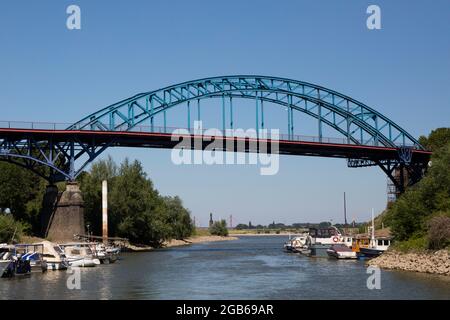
[(105, 210)]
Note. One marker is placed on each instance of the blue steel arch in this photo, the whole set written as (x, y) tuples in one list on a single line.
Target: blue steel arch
[(346, 115)]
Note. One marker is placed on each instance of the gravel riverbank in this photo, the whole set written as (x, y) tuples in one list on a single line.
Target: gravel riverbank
[(427, 262)]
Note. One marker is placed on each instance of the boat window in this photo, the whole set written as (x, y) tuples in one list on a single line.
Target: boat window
[(57, 249), (380, 242), (386, 242)]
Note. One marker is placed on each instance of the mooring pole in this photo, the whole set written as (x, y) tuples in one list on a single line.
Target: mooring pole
[(105, 210)]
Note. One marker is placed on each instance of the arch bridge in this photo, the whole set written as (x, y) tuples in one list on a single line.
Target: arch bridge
[(365, 136)]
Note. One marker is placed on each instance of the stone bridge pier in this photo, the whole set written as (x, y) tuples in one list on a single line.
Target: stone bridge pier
[(63, 213)]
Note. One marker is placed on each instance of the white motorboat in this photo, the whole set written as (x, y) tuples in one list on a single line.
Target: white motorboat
[(54, 256), (341, 251), (80, 255), (105, 254)]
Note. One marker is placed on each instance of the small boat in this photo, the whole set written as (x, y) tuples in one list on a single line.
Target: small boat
[(54, 256), (321, 239), (340, 251), (79, 255), (296, 244), (105, 254), (34, 253), (7, 261), (12, 263)]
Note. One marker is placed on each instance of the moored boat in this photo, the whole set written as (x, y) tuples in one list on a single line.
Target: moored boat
[(7, 261), (321, 239), (54, 256), (341, 251), (34, 253), (79, 255), (379, 242)]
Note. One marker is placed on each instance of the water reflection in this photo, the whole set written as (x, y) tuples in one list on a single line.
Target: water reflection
[(249, 268)]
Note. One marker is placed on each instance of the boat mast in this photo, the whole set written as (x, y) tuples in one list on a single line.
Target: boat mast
[(345, 211), (373, 229)]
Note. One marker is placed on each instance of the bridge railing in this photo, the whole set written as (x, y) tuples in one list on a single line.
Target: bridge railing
[(168, 130)]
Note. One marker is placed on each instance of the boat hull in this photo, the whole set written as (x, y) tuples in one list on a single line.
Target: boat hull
[(319, 250), (370, 252)]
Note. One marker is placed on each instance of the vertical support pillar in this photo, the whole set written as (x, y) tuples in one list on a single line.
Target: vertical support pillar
[(152, 106), (262, 112), (198, 109), (231, 112), (72, 160), (348, 124), (257, 114), (189, 116), (320, 121), (105, 211), (223, 114)]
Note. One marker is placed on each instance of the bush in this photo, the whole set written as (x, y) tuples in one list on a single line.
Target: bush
[(439, 232), (413, 244), (219, 228), (10, 229)]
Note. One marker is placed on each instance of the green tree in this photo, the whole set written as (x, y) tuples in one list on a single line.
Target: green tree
[(179, 218), (219, 228), (21, 191), (10, 229)]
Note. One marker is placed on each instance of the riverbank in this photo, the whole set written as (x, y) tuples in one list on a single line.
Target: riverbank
[(426, 262), (178, 243)]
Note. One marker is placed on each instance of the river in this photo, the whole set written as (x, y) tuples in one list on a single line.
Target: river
[(253, 267)]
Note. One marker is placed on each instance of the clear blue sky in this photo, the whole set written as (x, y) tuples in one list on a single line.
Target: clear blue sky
[(48, 73)]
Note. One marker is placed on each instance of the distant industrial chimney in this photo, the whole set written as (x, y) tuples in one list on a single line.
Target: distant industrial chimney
[(210, 220)]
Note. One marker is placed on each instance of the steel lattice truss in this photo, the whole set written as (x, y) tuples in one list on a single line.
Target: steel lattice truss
[(358, 124), (353, 119)]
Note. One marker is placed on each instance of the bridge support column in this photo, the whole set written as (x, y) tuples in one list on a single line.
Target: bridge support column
[(68, 216), (48, 207)]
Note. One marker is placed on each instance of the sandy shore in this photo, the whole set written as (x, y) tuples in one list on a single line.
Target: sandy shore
[(178, 243), (261, 234), (427, 262), (198, 239)]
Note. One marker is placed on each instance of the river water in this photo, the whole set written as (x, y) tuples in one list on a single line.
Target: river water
[(253, 267)]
